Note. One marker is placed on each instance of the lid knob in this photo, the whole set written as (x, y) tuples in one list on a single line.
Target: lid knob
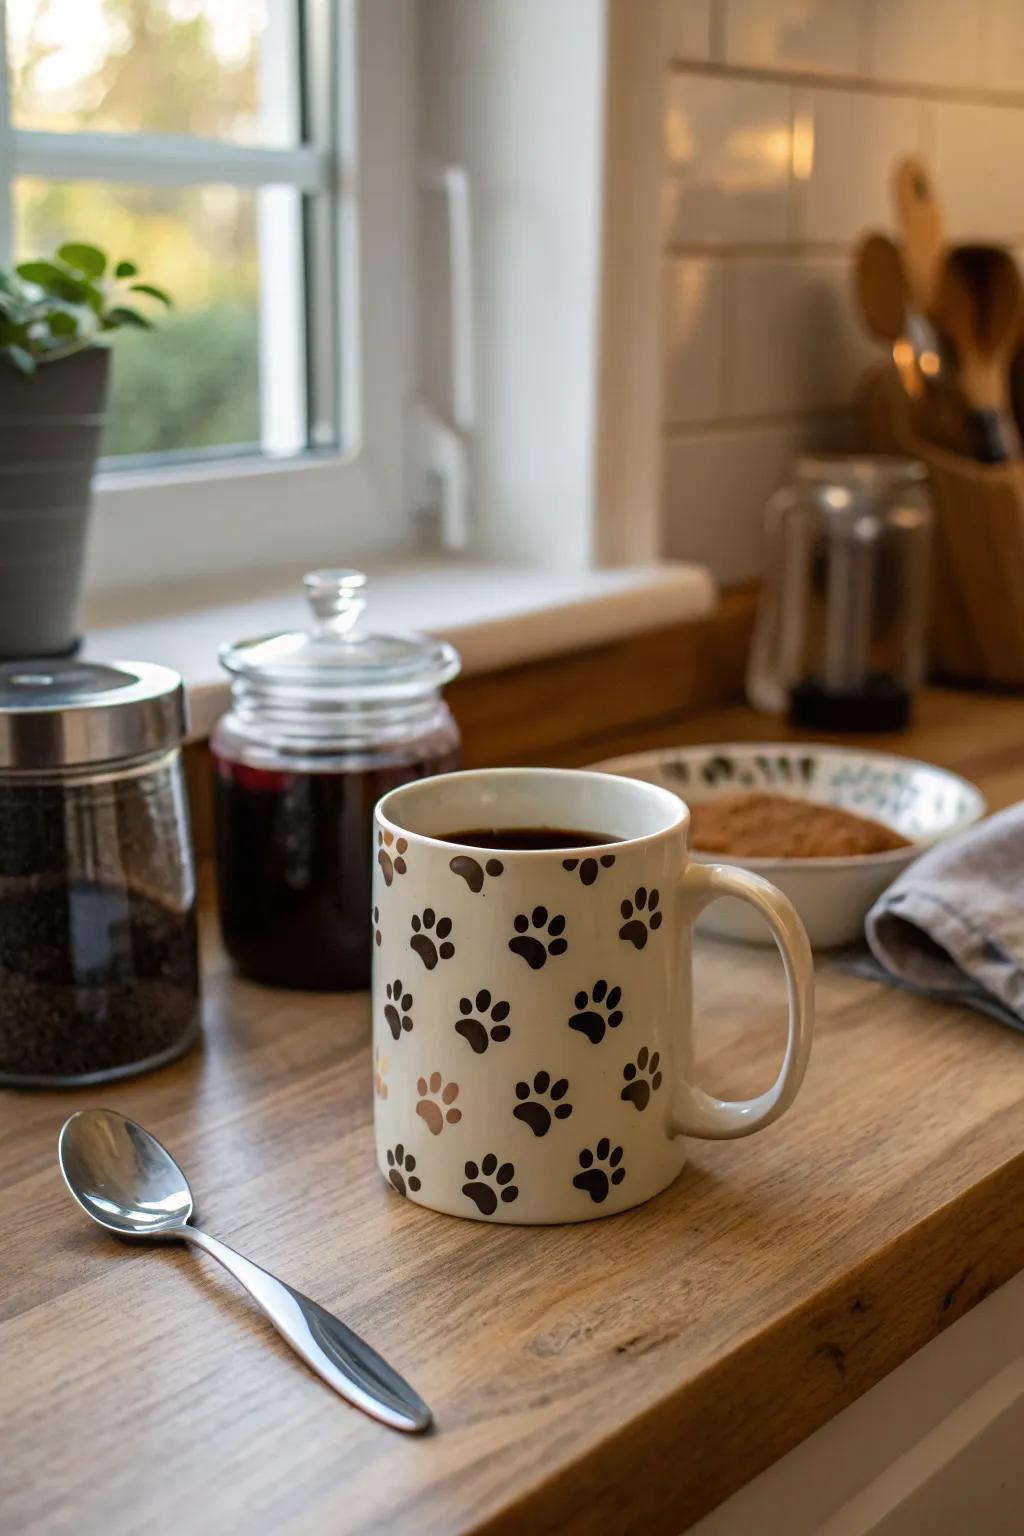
[(334, 598)]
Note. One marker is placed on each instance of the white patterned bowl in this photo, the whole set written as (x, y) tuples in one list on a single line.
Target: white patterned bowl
[(918, 800)]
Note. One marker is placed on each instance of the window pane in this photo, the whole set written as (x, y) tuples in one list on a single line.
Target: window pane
[(217, 68), (195, 382)]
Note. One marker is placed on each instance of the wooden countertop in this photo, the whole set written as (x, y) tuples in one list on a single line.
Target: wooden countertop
[(623, 1375)]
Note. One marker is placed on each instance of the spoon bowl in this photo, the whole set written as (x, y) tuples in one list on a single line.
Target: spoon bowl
[(122, 1177)]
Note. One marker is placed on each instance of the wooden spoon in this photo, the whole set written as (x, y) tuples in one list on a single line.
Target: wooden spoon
[(923, 231), (978, 305)]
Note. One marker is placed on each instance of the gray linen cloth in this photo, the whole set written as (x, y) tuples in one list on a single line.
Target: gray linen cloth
[(952, 926)]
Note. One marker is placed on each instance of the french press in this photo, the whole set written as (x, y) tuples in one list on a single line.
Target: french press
[(840, 632)]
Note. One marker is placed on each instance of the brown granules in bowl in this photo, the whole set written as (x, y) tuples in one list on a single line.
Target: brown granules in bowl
[(756, 825)]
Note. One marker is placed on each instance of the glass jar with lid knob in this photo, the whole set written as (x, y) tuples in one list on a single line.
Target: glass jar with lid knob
[(322, 723)]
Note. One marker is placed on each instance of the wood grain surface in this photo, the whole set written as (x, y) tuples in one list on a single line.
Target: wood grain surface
[(624, 1375)]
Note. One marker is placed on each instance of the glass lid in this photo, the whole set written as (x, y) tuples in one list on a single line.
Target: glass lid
[(337, 661)]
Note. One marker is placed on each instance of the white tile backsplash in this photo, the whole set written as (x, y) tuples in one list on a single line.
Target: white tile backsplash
[(783, 122), (821, 36), (929, 42), (687, 29), (695, 347), (727, 146), (976, 156), (798, 343), (1003, 55), (846, 143), (715, 484)]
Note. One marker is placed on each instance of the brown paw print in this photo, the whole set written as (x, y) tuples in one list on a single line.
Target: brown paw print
[(436, 1114), (479, 1032), (642, 1078), (473, 872), (391, 863), (589, 868), (641, 917), (376, 926), (400, 1170), (380, 1074), (486, 1183), (430, 938), (537, 937), (396, 1009)]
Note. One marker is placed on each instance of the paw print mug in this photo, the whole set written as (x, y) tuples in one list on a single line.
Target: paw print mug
[(533, 1005)]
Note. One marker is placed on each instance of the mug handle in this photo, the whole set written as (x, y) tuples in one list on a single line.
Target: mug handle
[(701, 1114)]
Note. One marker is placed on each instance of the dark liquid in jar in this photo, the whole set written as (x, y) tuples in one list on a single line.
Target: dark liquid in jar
[(294, 869)]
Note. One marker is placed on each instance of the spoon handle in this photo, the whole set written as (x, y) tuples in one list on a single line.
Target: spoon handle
[(337, 1354)]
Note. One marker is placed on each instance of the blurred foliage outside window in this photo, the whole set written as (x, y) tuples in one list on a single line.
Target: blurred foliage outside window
[(155, 66)]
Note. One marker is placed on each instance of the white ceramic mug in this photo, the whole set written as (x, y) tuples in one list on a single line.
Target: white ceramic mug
[(532, 1008)]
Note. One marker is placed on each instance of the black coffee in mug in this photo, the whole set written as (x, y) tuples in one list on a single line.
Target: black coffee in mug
[(546, 838)]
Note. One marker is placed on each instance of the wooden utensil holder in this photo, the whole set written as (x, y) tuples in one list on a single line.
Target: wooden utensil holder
[(976, 622)]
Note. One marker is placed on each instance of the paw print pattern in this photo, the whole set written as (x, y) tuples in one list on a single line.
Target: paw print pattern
[(380, 1074), (400, 1170), (589, 868), (396, 1009), (473, 872), (596, 1011), (436, 1104), (479, 1032), (640, 917), (532, 1109), (487, 1183), (642, 1078), (544, 940), (391, 855), (430, 938), (376, 926), (599, 1170)]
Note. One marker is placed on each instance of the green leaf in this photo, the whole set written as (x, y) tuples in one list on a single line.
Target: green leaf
[(61, 284), (22, 360), (84, 258), (62, 323), (122, 315), (154, 293), (125, 269)]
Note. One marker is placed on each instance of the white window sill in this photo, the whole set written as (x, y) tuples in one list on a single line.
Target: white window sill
[(495, 616)]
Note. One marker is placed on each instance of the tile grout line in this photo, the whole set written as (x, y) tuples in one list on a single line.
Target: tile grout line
[(983, 96)]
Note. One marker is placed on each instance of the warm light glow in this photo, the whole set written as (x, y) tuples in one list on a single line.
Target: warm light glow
[(930, 363), (803, 146)]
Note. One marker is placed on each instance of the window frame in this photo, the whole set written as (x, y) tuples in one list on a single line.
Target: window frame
[(167, 521)]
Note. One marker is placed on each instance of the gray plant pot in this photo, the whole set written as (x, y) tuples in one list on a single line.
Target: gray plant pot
[(50, 429)]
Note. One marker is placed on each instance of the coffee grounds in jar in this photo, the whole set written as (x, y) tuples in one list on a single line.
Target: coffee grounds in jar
[(93, 978)]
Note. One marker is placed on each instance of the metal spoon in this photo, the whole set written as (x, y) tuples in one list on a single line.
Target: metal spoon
[(127, 1182)]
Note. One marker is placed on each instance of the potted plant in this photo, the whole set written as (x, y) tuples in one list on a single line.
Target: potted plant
[(55, 317)]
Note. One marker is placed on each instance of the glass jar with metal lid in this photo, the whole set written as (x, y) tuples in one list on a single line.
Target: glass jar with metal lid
[(322, 723), (98, 963)]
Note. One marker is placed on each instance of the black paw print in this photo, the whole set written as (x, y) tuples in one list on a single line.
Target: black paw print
[(642, 1077), (640, 916), (599, 1170), (391, 864), (430, 938), (596, 1011), (590, 868), (481, 1181), (472, 871), (376, 926), (476, 1031), (396, 1009), (536, 1114), (546, 940), (400, 1171)]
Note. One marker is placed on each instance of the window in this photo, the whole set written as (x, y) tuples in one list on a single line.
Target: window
[(196, 139)]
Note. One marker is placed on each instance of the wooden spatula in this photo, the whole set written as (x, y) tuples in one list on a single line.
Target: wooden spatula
[(922, 230), (978, 305)]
